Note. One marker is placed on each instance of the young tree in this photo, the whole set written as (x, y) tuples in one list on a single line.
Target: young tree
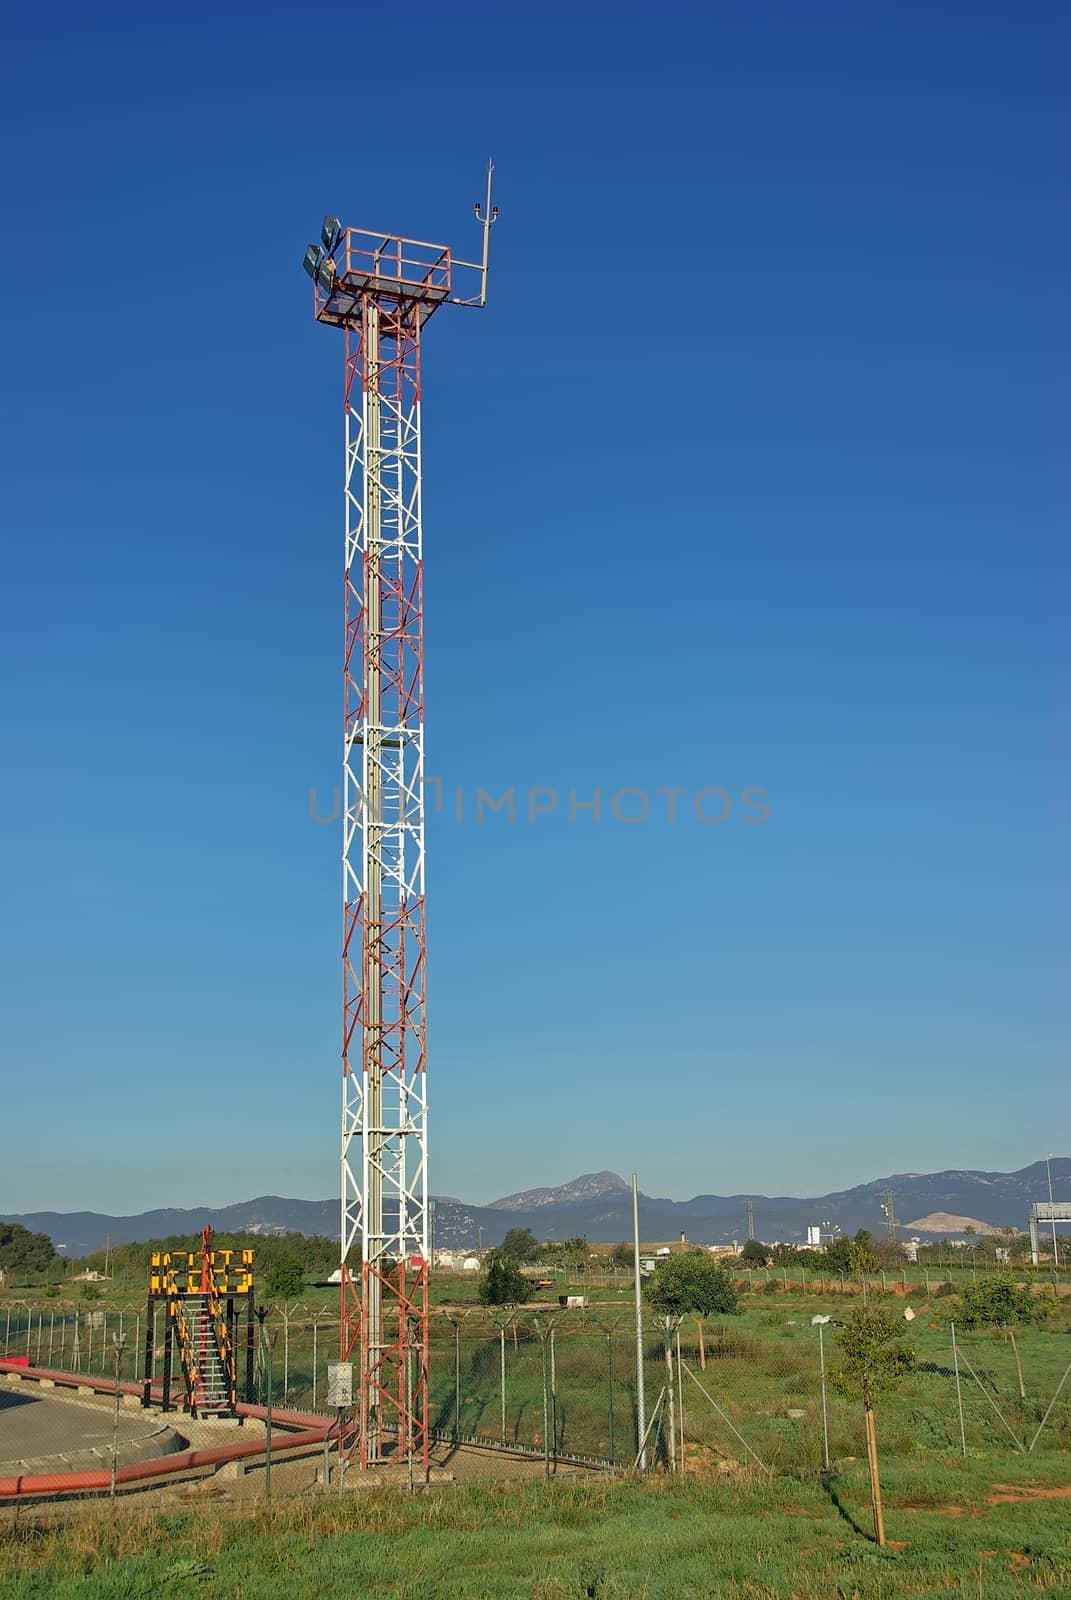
[(754, 1253), (1000, 1302), (874, 1359), (521, 1244), (692, 1284), (284, 1279), (503, 1283), (861, 1263), (622, 1255)]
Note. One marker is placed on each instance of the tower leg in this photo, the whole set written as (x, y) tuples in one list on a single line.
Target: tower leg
[(384, 1112)]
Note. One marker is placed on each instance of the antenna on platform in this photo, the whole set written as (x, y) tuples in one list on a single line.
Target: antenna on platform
[(486, 215)]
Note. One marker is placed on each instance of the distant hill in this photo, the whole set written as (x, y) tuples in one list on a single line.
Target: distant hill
[(599, 1205), (591, 1186)]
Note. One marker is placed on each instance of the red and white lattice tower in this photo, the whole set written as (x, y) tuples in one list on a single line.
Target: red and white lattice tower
[(381, 290)]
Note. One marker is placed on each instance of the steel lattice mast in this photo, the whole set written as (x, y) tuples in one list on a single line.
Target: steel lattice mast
[(381, 289)]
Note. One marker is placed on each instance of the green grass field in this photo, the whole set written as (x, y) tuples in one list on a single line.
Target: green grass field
[(958, 1529)]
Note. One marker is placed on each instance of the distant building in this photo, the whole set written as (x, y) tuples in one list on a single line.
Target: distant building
[(471, 1264)]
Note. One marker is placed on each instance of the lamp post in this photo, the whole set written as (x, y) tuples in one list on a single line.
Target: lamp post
[(641, 1405)]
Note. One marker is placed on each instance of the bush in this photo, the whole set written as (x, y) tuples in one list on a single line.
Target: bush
[(284, 1279), (503, 1283)]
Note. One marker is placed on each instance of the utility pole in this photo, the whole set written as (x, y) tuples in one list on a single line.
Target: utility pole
[(1052, 1213), (890, 1217), (750, 1217), (380, 290)]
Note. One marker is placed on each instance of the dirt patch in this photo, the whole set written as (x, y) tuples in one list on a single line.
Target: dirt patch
[(1006, 1494), (938, 1511)]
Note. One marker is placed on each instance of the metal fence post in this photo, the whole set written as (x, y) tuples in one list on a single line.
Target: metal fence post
[(315, 1327), (667, 1324), (959, 1391), (610, 1393), (502, 1379), (546, 1420), (266, 1346), (680, 1398), (554, 1399), (117, 1341), (820, 1324)]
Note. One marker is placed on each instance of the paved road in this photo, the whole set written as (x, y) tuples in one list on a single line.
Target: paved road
[(35, 1426)]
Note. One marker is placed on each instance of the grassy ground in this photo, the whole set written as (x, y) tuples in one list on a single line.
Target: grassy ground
[(958, 1530)]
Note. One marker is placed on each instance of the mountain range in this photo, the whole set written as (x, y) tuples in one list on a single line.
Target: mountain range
[(599, 1205)]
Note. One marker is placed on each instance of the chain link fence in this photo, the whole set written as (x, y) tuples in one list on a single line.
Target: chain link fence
[(561, 1385)]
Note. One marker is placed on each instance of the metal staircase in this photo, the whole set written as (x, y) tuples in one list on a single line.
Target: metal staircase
[(211, 1384)]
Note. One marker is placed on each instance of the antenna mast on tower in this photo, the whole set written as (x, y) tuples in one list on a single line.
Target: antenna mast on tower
[(381, 289)]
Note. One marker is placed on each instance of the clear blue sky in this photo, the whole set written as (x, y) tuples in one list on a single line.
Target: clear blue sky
[(754, 472)]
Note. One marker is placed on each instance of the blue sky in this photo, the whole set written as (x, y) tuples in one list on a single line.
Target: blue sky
[(753, 473)]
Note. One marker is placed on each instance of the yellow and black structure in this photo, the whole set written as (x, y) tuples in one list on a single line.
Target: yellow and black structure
[(207, 1300)]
